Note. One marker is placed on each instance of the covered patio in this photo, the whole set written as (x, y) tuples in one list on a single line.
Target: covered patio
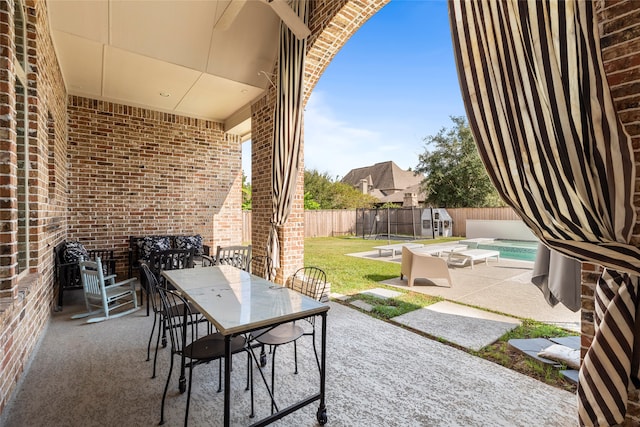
[(378, 374), (115, 124)]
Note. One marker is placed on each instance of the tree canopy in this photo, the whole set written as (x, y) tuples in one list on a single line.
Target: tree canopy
[(323, 192), (455, 174)]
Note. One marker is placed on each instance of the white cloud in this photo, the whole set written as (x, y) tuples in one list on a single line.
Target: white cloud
[(336, 146), (332, 145)]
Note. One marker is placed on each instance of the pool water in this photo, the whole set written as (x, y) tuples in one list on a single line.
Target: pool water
[(524, 250)]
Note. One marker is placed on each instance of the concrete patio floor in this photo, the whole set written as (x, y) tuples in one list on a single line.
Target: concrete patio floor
[(504, 286), (378, 374)]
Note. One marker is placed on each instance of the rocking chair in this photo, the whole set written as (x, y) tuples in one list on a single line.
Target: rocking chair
[(102, 295)]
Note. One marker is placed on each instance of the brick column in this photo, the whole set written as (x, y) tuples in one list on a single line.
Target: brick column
[(292, 234)]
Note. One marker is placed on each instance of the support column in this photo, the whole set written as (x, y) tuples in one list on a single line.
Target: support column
[(292, 234)]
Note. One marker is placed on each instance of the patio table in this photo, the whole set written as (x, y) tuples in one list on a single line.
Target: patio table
[(237, 302)]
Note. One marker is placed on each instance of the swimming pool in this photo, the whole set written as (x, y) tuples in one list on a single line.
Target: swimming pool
[(524, 250)]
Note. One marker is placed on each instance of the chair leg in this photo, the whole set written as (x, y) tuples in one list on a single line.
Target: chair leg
[(186, 412), (153, 329), (315, 351), (273, 376), (263, 357), (164, 394), (164, 332), (155, 356), (250, 378), (295, 355), (60, 291)]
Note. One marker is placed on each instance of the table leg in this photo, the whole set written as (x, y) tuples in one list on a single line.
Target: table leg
[(227, 380), (321, 415)]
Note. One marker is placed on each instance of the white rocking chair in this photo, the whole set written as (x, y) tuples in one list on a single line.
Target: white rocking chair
[(104, 293)]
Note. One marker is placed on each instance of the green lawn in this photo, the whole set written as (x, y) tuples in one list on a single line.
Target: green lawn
[(349, 275)]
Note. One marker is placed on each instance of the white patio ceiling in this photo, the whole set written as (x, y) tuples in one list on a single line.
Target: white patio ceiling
[(179, 56)]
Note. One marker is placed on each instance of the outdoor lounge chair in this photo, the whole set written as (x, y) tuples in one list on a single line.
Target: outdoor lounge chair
[(460, 258), (420, 265), (396, 248)]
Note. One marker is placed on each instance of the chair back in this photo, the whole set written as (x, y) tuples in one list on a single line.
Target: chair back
[(149, 282), (208, 261), (310, 281), (237, 256), (92, 277), (170, 259), (261, 265), (407, 260), (180, 321)]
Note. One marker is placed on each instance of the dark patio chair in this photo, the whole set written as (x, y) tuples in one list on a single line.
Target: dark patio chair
[(237, 256), (193, 351), (170, 259), (149, 282), (309, 281)]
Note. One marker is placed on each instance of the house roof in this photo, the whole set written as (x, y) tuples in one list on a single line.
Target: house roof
[(398, 196), (387, 177)]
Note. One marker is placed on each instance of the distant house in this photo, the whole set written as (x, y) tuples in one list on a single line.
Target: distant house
[(387, 182)]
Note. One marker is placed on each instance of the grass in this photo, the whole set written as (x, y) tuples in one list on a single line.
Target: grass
[(351, 275)]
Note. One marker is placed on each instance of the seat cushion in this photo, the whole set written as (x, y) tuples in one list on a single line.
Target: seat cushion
[(190, 242), (211, 347), (74, 252), (281, 334), (150, 244)]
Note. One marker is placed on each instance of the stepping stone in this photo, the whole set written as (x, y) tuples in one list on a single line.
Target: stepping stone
[(532, 346), (570, 375), (363, 305), (340, 297), (381, 293), (459, 324)]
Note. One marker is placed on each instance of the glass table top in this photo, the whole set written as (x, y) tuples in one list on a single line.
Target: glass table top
[(236, 301)]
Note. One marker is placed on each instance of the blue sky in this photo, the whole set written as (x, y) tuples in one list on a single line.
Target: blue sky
[(392, 84)]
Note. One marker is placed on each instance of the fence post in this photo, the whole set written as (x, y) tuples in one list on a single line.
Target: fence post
[(413, 222)]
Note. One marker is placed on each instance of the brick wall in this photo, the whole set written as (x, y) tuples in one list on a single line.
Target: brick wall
[(90, 191), (619, 26), (26, 300), (139, 172)]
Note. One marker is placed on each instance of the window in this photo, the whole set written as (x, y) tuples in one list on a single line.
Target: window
[(22, 140)]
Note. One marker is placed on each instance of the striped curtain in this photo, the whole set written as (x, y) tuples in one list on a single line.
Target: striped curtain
[(287, 130), (543, 119)]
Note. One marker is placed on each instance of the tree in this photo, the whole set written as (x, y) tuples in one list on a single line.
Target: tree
[(309, 203), (455, 174), (323, 192), (246, 193)]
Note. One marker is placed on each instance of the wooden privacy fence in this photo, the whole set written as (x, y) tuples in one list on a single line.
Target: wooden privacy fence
[(327, 223)]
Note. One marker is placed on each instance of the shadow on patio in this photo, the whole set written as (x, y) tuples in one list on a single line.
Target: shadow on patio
[(378, 374)]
